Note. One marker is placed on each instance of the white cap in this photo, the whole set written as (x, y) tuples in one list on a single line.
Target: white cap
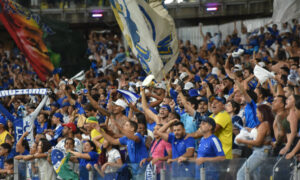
[(109, 51), (215, 70), (237, 67), (183, 75), (238, 53), (160, 86), (120, 102), (91, 57), (188, 86)]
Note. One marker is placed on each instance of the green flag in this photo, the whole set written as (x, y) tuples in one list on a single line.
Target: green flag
[(64, 171)]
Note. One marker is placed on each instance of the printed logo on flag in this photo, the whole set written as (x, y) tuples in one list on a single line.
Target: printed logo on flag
[(57, 156)]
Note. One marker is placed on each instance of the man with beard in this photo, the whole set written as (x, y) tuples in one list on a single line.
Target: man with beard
[(181, 147), (223, 128), (278, 107), (117, 109), (163, 115), (187, 107), (209, 150)]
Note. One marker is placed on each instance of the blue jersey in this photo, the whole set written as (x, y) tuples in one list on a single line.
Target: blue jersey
[(136, 151), (250, 115), (210, 147), (179, 146)]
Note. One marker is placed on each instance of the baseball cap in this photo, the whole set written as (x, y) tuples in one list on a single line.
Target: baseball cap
[(71, 126), (204, 99), (188, 86), (193, 93), (221, 99), (166, 106), (210, 121), (91, 119), (183, 75), (59, 115), (54, 104), (120, 102), (238, 67)]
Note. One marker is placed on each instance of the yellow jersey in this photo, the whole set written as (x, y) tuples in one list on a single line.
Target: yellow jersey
[(225, 134), (95, 133)]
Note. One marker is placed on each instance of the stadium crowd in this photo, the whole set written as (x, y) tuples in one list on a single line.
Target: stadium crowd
[(210, 107)]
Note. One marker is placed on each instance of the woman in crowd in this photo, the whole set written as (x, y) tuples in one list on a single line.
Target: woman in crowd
[(261, 144), (233, 108), (113, 161), (87, 159)]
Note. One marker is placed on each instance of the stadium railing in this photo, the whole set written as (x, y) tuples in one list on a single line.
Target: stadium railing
[(272, 168)]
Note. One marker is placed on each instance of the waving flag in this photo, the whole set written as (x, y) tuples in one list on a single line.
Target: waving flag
[(128, 95), (46, 44), (150, 32), (286, 10), (60, 164)]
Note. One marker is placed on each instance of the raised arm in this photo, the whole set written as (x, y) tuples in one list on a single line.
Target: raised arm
[(96, 106), (247, 80), (19, 143), (158, 101), (35, 113), (109, 138), (6, 113), (146, 109), (162, 131), (189, 109), (242, 90)]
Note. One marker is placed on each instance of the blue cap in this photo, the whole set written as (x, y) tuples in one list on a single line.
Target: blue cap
[(166, 106), (54, 104), (204, 99), (193, 93), (59, 115), (65, 104), (221, 99), (2, 120), (210, 121)]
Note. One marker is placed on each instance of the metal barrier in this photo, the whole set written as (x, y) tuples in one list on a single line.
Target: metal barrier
[(272, 168)]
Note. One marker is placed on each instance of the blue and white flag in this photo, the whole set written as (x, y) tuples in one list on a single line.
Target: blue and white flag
[(150, 32), (13, 92), (129, 96)]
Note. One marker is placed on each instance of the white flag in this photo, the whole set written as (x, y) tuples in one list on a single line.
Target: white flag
[(285, 10), (150, 32), (262, 74)]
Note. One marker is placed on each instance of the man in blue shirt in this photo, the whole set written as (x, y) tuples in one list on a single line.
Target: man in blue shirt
[(54, 135), (209, 150), (181, 147), (135, 143), (250, 98)]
